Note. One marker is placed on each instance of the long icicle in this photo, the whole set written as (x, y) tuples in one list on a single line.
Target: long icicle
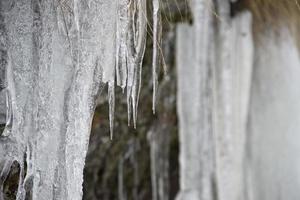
[(121, 42), (136, 49), (111, 101), (155, 63)]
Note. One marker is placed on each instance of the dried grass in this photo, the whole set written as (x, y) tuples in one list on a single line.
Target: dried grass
[(275, 13)]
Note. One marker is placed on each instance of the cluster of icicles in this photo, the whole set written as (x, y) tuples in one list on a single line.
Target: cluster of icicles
[(131, 43)]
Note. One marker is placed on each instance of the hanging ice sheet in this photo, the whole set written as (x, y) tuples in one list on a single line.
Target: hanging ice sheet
[(56, 55)]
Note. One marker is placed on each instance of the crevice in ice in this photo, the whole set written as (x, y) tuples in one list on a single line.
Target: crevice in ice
[(13, 183)]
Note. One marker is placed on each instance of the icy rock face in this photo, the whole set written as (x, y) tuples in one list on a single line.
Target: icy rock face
[(274, 120), (56, 55)]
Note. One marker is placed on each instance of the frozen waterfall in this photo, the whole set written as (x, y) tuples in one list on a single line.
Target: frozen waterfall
[(54, 55)]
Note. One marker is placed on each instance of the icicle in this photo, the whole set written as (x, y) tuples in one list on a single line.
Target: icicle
[(232, 76), (131, 24), (121, 42), (9, 116), (129, 105), (111, 101), (136, 49), (156, 34), (194, 102)]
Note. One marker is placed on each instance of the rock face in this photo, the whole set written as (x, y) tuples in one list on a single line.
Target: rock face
[(196, 156)]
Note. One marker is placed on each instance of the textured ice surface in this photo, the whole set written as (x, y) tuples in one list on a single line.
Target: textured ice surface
[(56, 54)]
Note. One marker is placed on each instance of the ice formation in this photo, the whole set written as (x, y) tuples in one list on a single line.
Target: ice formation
[(214, 64), (232, 81), (194, 103), (54, 55), (156, 46)]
